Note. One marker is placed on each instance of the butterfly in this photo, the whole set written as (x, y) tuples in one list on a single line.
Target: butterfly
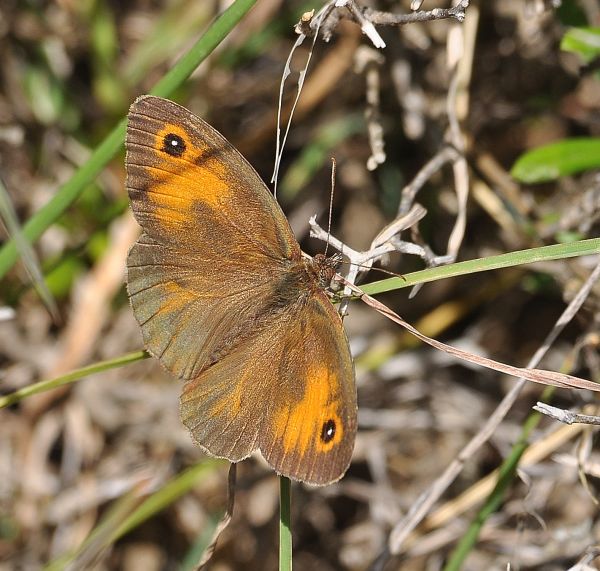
[(229, 304)]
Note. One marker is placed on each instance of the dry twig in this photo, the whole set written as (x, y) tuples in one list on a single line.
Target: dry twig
[(424, 503)]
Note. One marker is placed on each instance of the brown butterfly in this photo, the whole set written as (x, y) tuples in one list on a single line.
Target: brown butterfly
[(227, 302)]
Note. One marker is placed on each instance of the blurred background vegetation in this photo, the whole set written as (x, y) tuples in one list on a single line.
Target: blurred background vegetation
[(101, 474)]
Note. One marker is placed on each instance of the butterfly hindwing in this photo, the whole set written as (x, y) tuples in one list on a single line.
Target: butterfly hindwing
[(287, 391)]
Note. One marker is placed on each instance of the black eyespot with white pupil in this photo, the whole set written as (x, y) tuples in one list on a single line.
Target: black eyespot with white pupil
[(328, 431), (173, 145)]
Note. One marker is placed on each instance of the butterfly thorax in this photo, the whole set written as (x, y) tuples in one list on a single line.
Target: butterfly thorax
[(298, 281), (324, 269)]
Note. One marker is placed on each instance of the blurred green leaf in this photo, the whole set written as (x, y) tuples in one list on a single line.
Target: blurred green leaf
[(97, 245), (563, 158), (236, 55), (60, 279), (129, 512), (178, 23), (200, 544), (9, 528), (566, 237), (109, 88), (168, 494), (391, 180), (103, 38), (584, 42), (537, 283), (317, 153), (45, 97)]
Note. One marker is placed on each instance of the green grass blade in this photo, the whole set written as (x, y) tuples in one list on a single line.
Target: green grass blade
[(285, 524), (506, 476), (75, 375), (203, 48), (96, 542), (127, 513), (200, 545), (542, 254), (167, 495), (167, 37), (70, 191), (317, 153), (26, 252)]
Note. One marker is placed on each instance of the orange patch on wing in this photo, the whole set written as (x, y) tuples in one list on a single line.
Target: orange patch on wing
[(232, 405), (176, 298), (173, 300), (302, 423), (180, 182)]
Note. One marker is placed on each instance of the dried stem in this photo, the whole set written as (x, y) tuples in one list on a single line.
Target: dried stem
[(368, 18), (425, 502)]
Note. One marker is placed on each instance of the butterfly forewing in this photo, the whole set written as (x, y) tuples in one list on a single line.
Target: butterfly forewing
[(190, 187)]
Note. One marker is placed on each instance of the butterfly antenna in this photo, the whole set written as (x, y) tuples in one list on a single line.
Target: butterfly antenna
[(372, 269), (333, 170)]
